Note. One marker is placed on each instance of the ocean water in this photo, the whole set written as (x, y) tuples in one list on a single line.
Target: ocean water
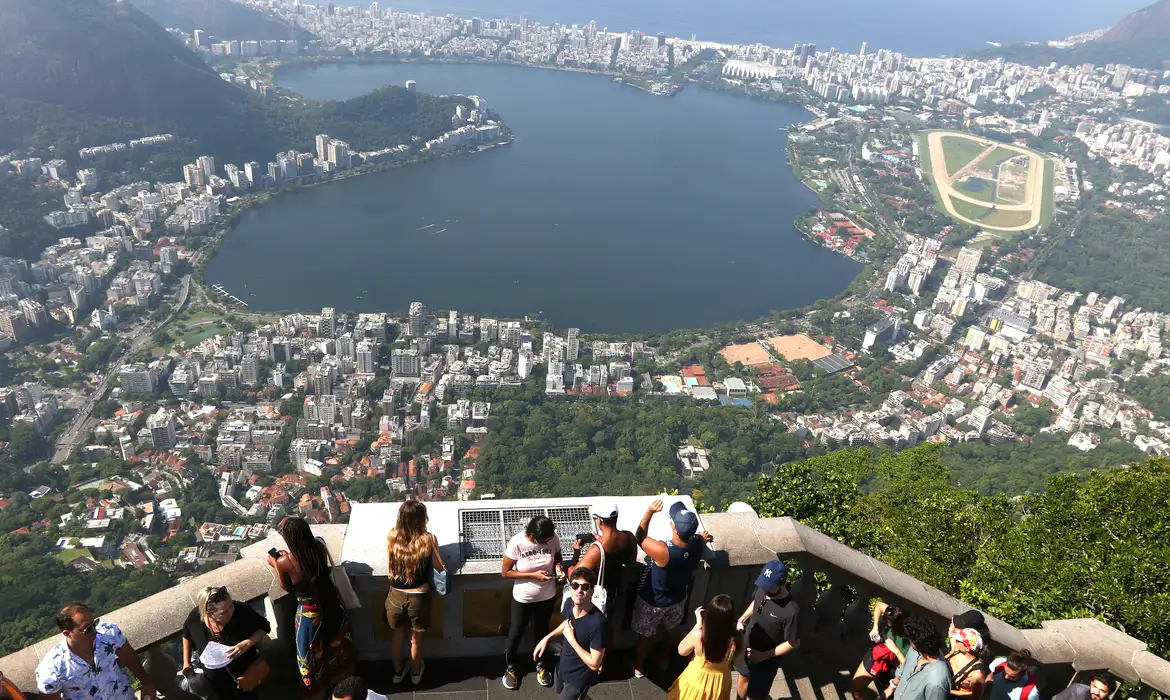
[(914, 27)]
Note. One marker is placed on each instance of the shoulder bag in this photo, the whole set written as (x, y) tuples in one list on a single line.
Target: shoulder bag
[(345, 593), (600, 596), (438, 578)]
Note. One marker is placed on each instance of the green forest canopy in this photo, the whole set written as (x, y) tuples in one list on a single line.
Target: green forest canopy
[(1093, 546)]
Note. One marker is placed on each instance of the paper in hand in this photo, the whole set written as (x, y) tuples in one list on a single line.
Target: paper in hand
[(215, 656)]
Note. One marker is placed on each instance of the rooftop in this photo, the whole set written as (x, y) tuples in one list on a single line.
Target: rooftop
[(464, 643)]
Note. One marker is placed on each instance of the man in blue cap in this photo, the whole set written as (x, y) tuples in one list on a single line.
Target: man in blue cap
[(771, 627), (662, 595)]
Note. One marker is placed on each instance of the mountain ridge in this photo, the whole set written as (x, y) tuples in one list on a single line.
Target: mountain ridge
[(1152, 22)]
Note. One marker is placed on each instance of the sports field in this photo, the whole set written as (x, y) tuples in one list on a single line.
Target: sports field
[(997, 186), (797, 347), (747, 353)]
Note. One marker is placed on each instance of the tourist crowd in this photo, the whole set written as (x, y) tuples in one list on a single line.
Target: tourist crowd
[(909, 657)]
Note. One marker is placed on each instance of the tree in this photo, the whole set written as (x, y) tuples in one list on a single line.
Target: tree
[(1089, 546)]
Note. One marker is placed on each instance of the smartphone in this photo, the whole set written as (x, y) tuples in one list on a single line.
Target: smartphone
[(274, 553)]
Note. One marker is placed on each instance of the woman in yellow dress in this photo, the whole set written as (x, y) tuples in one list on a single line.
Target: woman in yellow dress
[(715, 642)]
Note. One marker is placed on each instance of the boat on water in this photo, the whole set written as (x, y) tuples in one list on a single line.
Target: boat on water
[(424, 228), (435, 233)]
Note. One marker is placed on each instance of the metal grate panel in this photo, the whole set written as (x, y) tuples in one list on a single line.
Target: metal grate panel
[(484, 532)]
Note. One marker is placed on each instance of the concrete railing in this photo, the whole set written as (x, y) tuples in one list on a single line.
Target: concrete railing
[(472, 618)]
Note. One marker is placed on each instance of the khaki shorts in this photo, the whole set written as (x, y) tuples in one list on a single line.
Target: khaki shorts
[(415, 608)]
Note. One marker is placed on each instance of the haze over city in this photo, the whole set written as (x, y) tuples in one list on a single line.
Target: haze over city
[(347, 342)]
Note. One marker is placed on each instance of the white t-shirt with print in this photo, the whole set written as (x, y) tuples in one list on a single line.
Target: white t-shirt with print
[(532, 556)]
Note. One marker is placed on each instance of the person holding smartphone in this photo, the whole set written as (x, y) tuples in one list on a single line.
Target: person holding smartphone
[(532, 561)]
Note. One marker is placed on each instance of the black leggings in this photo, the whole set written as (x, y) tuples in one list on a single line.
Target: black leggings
[(538, 613)]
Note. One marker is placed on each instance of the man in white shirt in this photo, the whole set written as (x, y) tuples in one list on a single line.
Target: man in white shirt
[(84, 664)]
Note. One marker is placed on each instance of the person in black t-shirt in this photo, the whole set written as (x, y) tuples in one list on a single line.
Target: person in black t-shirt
[(220, 619), (587, 637), (772, 630)]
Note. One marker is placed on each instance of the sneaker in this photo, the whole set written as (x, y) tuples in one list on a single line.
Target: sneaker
[(416, 677), (544, 676), (511, 680), (400, 676)]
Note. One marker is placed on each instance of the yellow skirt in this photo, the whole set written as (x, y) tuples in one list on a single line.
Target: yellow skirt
[(702, 680)]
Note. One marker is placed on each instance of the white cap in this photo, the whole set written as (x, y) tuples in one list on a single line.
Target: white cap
[(603, 510)]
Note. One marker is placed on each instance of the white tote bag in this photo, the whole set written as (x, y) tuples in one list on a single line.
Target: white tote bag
[(600, 597)]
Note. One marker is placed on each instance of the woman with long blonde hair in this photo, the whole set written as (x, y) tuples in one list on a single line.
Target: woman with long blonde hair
[(413, 555)]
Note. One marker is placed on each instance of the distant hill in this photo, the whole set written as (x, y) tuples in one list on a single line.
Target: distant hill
[(1152, 22), (107, 58), (77, 73), (1142, 40), (222, 19)]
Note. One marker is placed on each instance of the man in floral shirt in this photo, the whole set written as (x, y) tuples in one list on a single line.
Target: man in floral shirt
[(84, 664)]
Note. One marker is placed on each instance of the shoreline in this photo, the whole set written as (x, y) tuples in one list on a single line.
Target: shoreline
[(275, 68), (616, 76)]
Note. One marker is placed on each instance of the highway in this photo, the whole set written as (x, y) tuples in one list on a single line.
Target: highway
[(79, 427)]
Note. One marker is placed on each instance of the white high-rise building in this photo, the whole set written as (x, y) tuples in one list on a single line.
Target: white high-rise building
[(572, 344), (405, 363), (365, 357), (967, 263), (162, 429), (323, 147)]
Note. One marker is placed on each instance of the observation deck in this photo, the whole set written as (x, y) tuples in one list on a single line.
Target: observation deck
[(464, 646)]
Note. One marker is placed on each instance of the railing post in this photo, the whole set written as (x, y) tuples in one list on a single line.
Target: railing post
[(858, 616), (163, 671)]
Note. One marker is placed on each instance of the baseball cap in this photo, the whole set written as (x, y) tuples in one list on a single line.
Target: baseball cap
[(773, 574), (605, 511), (972, 619), (685, 522)]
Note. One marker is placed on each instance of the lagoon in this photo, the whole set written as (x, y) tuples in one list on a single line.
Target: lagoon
[(613, 211)]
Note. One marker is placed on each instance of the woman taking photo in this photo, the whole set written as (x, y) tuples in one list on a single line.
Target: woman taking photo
[(218, 618), (715, 642), (414, 557), (325, 653), (888, 652), (532, 561)]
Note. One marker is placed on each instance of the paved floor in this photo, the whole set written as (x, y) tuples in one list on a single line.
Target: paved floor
[(480, 679)]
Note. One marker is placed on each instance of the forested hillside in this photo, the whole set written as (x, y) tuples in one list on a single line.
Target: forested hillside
[(223, 19), (540, 446), (1097, 546), (1114, 253), (89, 72)]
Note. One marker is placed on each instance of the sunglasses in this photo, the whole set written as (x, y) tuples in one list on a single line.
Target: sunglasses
[(216, 598), (89, 629), (580, 586)]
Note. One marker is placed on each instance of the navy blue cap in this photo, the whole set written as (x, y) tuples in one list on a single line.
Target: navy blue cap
[(773, 574), (685, 522)]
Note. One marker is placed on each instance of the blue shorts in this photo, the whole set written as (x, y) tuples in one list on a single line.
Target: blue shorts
[(760, 677)]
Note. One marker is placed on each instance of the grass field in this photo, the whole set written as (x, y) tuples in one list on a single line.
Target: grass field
[(1007, 219), (925, 164), (988, 217), (1046, 210), (67, 555), (999, 155), (193, 335), (977, 187), (958, 152), (966, 209)]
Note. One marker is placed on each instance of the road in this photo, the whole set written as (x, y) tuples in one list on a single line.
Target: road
[(79, 427)]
